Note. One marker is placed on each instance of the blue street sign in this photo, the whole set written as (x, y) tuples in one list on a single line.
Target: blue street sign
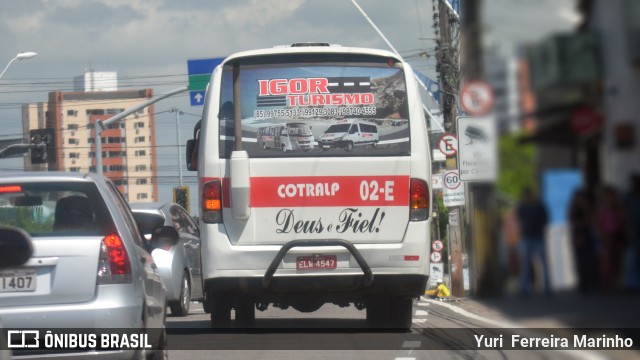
[(196, 97), (199, 71)]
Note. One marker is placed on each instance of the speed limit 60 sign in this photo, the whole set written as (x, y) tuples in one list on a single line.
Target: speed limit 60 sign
[(453, 194)]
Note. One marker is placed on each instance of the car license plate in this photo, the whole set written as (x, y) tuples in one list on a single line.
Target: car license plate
[(17, 280), (316, 262)]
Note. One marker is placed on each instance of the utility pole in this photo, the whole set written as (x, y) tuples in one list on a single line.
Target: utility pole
[(481, 196), (446, 26), (178, 113)]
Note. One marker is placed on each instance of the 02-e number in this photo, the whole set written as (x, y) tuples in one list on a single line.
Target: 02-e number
[(371, 190)]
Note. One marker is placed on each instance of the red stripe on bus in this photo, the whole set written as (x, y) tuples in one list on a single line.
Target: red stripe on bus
[(323, 191)]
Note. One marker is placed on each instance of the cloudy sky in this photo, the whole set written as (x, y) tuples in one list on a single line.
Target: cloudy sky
[(148, 43)]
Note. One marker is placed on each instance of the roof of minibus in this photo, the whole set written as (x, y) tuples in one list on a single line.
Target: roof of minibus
[(313, 49)]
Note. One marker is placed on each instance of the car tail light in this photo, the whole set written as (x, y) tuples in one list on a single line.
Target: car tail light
[(212, 202), (419, 200), (10, 189), (114, 266)]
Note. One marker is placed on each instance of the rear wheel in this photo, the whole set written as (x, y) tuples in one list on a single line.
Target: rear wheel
[(181, 306), (349, 146), (220, 311), (400, 312), (245, 311), (385, 311), (378, 311)]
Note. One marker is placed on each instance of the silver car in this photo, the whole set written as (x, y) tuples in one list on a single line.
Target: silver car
[(91, 267), (179, 265)]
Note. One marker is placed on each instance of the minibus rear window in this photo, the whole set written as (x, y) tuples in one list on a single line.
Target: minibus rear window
[(317, 105)]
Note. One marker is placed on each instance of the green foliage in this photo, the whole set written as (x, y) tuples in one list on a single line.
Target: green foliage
[(517, 166), (28, 219)]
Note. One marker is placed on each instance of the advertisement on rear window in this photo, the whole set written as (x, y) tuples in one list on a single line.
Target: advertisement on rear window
[(290, 111)]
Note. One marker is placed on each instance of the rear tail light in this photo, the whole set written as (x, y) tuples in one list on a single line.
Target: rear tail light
[(114, 266), (212, 202), (419, 200), (10, 189)]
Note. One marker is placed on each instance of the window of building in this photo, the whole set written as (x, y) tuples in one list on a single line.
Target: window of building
[(73, 141), (114, 111), (117, 168), (141, 153), (72, 112), (139, 139), (72, 127), (141, 181), (74, 169), (74, 155), (95, 112), (138, 125), (141, 196), (142, 167)]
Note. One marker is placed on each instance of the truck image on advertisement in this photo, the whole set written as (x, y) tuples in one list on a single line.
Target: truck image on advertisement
[(349, 133), (286, 137), (302, 229)]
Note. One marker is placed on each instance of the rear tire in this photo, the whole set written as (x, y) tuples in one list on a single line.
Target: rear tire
[(349, 146), (378, 311), (181, 306), (245, 311), (400, 312), (220, 311), (390, 312)]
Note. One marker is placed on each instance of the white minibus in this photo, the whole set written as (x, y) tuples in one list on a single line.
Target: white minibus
[(305, 228)]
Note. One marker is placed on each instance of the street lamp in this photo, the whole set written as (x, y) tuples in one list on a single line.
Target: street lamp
[(19, 56)]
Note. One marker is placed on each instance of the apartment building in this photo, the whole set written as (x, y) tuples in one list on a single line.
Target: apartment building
[(128, 146)]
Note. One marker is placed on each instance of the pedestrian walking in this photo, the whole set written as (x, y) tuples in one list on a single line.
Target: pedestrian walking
[(612, 230), (533, 218), (583, 240)]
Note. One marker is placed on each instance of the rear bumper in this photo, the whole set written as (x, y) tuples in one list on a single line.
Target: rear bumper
[(348, 286), (113, 307)]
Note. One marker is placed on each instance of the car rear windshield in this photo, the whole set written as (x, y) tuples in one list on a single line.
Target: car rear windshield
[(321, 94), (148, 221), (55, 208)]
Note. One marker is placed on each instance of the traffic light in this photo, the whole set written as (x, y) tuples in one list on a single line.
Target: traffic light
[(181, 197), (42, 145)]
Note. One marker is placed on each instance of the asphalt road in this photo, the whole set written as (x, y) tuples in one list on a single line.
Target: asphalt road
[(341, 333)]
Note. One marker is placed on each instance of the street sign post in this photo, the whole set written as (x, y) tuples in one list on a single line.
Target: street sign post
[(199, 71), (448, 144), (437, 245), (476, 98), (453, 194), (477, 148)]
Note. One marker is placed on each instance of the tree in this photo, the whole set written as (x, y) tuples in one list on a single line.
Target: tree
[(517, 166)]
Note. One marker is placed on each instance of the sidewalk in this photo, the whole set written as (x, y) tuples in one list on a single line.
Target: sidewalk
[(564, 309)]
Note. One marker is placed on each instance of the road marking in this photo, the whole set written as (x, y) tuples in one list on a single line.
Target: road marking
[(421, 312), (419, 321), (422, 303), (414, 344)]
